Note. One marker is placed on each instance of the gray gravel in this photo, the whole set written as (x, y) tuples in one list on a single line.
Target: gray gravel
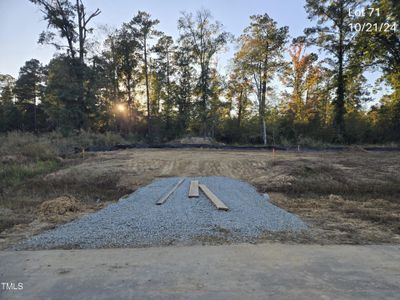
[(136, 221)]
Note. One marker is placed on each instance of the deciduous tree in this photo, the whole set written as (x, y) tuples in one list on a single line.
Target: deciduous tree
[(261, 52), (71, 22), (204, 39)]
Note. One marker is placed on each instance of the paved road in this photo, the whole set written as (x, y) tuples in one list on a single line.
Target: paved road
[(265, 271)]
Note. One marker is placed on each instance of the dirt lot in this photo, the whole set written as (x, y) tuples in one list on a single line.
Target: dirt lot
[(348, 197)]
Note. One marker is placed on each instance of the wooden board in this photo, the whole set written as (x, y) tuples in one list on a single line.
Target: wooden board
[(194, 189), (214, 199), (165, 197)]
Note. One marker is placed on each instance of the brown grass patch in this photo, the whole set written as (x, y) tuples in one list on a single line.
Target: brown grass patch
[(337, 219), (58, 209)]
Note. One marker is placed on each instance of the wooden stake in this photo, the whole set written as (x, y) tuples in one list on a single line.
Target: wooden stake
[(194, 189), (165, 197), (214, 199)]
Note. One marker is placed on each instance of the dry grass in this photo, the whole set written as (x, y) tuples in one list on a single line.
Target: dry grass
[(50, 145), (56, 210), (347, 220), (25, 159)]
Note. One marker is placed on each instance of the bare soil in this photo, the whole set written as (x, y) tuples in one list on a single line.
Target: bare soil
[(346, 197)]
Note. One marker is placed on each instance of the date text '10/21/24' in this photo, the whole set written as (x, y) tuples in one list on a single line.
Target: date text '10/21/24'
[(369, 26)]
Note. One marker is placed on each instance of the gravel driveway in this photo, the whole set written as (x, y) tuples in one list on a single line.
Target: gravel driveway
[(136, 221)]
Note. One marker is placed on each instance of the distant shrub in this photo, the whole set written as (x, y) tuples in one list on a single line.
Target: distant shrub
[(310, 142), (86, 139), (25, 155), (27, 145), (50, 145), (66, 145), (15, 173)]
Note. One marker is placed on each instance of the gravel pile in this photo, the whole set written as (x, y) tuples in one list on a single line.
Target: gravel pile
[(137, 222)]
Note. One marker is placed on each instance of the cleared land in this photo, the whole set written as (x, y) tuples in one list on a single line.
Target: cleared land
[(346, 197)]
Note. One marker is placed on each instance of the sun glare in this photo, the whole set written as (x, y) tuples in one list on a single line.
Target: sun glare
[(120, 107)]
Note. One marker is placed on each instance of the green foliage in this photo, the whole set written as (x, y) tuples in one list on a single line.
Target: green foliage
[(70, 22), (164, 70), (27, 145), (380, 49), (143, 30), (10, 116), (16, 173), (261, 56), (49, 146), (146, 86), (29, 90), (62, 103), (334, 35), (183, 87), (204, 40)]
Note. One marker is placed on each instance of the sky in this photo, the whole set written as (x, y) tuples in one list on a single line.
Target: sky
[(21, 22)]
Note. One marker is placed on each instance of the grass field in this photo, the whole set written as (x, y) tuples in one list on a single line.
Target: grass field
[(349, 197)]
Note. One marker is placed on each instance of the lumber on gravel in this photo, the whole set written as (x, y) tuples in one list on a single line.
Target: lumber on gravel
[(214, 199), (165, 197), (194, 189)]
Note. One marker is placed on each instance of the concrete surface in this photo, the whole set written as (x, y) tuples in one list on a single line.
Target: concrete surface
[(243, 271)]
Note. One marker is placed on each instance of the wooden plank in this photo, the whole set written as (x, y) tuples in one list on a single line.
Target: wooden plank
[(165, 197), (214, 199), (194, 189)]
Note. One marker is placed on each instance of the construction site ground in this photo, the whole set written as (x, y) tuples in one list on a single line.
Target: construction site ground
[(345, 197)]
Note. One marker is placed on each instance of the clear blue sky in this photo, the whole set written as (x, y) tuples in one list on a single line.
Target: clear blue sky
[(21, 22)]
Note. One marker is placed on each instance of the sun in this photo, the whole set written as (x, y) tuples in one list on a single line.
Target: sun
[(120, 107)]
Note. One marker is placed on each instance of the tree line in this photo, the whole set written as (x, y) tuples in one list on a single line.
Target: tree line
[(142, 82)]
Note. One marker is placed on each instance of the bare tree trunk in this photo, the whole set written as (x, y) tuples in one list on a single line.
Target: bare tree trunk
[(204, 97), (80, 64), (339, 105), (240, 108), (340, 91), (34, 113), (168, 81), (81, 12), (147, 87), (130, 102), (262, 112), (264, 132)]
